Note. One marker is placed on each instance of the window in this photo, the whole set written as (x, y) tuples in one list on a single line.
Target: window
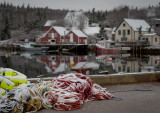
[(124, 32), (119, 69), (128, 32), (49, 34), (71, 37), (124, 68), (55, 34), (81, 40), (124, 25), (155, 61), (52, 35), (119, 32), (147, 39), (155, 39), (128, 69)]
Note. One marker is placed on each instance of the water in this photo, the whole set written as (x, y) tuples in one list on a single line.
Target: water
[(50, 65)]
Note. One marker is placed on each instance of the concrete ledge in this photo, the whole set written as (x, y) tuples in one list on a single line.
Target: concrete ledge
[(124, 78)]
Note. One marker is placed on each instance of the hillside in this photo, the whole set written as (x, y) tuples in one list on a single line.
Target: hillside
[(19, 22)]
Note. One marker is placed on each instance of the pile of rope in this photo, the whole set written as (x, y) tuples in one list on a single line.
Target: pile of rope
[(20, 99), (65, 92), (70, 91)]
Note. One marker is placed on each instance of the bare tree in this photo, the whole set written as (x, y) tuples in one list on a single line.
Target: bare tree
[(91, 39), (81, 20)]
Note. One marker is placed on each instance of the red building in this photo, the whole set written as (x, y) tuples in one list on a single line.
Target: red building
[(59, 63), (76, 37), (55, 35)]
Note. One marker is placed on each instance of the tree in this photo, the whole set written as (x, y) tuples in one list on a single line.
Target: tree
[(81, 20), (101, 34), (93, 15), (5, 32)]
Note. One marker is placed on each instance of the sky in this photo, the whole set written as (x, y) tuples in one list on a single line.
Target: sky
[(84, 4)]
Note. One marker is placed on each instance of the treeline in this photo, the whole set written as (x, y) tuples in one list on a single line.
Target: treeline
[(114, 17), (27, 18)]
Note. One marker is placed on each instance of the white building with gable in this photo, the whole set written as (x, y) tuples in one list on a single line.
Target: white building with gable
[(74, 19), (132, 30)]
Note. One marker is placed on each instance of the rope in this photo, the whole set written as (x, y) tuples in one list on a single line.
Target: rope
[(20, 99), (7, 106), (70, 91)]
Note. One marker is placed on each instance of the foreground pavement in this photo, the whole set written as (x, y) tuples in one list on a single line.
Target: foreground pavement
[(133, 101)]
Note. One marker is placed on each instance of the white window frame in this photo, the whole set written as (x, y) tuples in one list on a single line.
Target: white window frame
[(71, 37), (52, 35)]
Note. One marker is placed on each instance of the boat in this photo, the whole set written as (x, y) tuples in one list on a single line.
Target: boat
[(30, 47), (105, 47)]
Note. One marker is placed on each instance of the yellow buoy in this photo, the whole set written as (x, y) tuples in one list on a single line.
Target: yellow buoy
[(17, 79), (10, 72), (72, 64), (5, 83), (2, 91), (14, 76)]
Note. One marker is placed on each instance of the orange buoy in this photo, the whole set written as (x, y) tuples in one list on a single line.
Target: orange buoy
[(72, 64)]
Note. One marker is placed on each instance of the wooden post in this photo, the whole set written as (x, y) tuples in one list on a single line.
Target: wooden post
[(133, 49), (140, 50)]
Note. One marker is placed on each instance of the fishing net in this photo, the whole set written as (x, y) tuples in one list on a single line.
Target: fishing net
[(65, 92), (20, 99), (71, 91)]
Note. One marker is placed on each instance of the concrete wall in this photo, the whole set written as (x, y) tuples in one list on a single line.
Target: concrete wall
[(118, 78), (126, 78)]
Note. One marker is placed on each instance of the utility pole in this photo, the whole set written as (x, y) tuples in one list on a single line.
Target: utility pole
[(128, 13)]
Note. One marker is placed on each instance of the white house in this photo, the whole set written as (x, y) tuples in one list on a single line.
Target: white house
[(74, 19)]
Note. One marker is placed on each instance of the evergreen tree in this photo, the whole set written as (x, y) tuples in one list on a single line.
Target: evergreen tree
[(5, 32)]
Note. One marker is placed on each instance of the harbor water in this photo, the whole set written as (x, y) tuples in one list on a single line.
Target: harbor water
[(50, 65)]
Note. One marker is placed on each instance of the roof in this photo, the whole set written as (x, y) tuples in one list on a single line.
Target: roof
[(74, 15), (150, 34), (50, 22), (135, 24), (60, 68), (91, 30), (113, 31), (92, 65), (78, 33), (61, 30)]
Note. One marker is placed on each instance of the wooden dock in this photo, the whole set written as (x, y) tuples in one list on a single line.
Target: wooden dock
[(66, 48), (10, 48)]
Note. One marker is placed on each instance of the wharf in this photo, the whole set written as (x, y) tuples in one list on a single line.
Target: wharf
[(133, 101), (140, 97), (138, 48), (72, 48), (123, 78)]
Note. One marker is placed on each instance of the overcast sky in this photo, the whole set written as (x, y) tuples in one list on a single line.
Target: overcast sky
[(84, 4)]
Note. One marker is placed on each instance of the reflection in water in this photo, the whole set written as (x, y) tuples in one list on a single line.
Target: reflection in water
[(131, 64), (33, 65)]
